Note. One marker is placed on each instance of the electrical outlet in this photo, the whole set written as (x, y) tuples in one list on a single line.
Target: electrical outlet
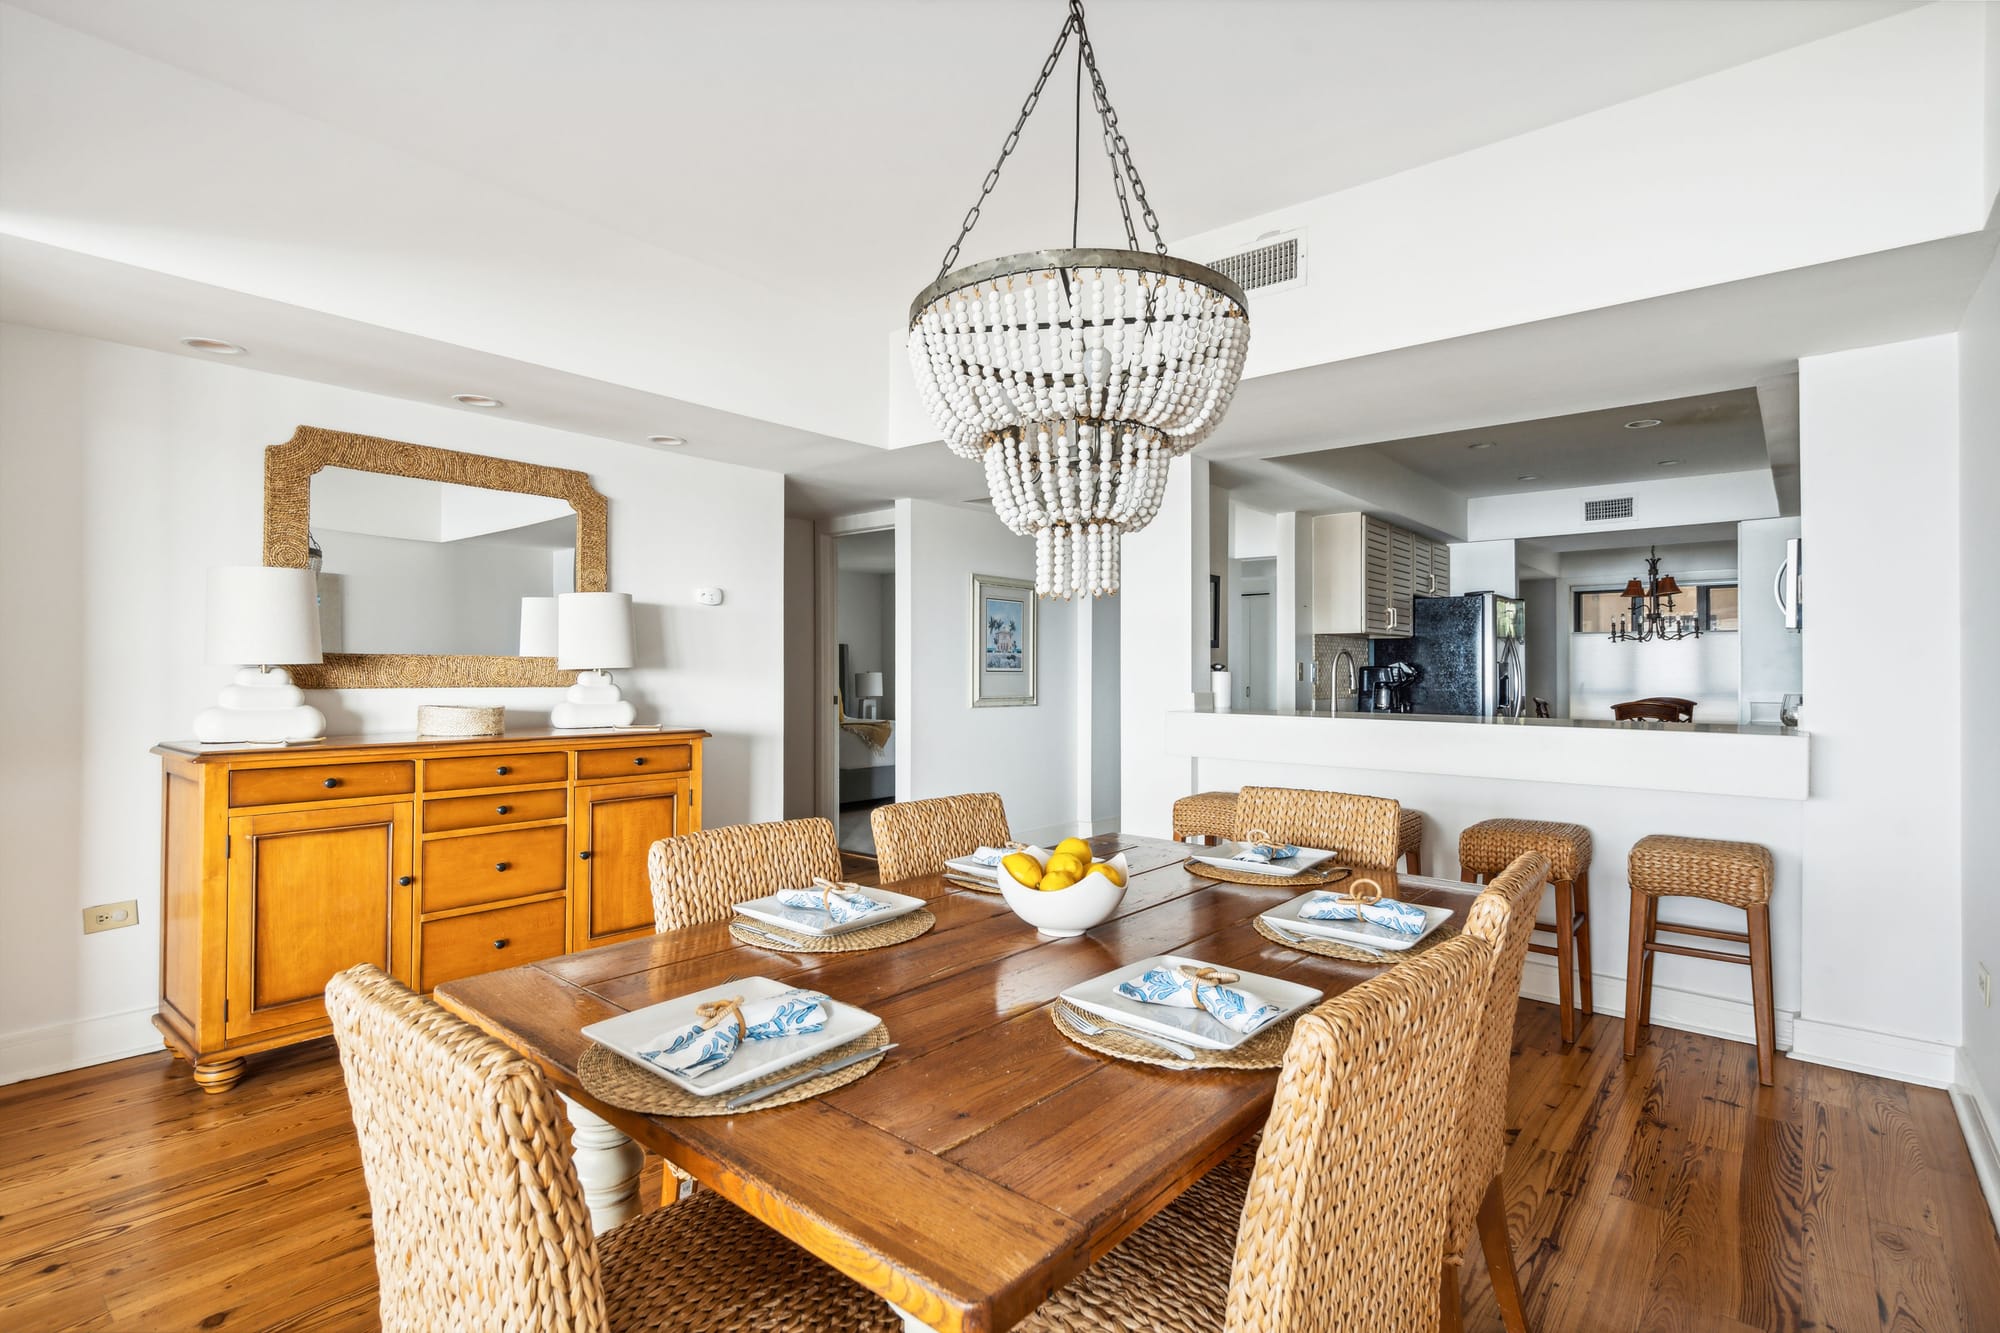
[(1986, 985), (110, 916)]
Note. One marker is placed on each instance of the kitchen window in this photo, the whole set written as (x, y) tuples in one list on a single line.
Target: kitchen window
[(1710, 605)]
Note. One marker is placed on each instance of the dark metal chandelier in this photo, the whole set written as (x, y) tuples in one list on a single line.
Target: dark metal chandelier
[(1653, 618), (1077, 375)]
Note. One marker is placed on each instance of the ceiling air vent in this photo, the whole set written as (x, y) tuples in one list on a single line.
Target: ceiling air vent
[(1596, 511), (1275, 262)]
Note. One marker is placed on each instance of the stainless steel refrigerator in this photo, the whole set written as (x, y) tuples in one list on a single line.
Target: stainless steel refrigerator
[(1471, 654)]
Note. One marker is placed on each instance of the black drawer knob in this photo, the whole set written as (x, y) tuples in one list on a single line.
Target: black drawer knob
[(503, 770), (331, 782), (406, 880), (502, 809), (583, 856), (499, 865), (639, 762), (499, 944)]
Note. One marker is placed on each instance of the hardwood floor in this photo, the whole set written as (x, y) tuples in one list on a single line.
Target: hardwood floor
[(1669, 1193)]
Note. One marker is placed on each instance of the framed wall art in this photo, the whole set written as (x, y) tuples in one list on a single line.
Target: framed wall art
[(1003, 642)]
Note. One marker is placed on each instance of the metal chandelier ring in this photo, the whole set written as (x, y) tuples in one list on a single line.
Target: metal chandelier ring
[(1043, 261)]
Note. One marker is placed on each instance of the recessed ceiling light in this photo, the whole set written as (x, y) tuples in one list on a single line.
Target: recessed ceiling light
[(1643, 423), (1483, 444), (1670, 462), (1529, 476), (665, 441), (476, 400), (215, 345)]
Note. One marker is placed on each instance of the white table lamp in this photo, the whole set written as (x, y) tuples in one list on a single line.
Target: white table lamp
[(261, 619), (538, 627), (868, 686), (593, 638)]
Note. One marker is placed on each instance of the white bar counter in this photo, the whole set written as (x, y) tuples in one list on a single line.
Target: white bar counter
[(1709, 759)]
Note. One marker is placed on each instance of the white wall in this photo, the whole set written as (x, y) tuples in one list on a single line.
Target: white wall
[(124, 475), (1484, 567), (1163, 628), (944, 745), (1879, 454), (1717, 497), (1979, 550)]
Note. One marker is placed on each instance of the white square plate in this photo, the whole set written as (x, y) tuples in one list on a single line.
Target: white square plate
[(971, 869), (1223, 854), (629, 1034), (1354, 932), (815, 921), (1194, 1027)]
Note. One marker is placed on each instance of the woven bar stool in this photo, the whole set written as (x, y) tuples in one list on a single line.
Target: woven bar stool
[(1734, 873), (1207, 814), (1490, 846), (1410, 840)]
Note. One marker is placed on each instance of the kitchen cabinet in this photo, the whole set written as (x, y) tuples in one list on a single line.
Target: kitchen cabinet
[(1368, 573)]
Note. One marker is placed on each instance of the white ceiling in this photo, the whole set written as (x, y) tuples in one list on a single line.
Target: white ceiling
[(835, 146)]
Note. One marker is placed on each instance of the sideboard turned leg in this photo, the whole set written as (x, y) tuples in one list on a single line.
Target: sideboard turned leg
[(218, 1075), (607, 1165)]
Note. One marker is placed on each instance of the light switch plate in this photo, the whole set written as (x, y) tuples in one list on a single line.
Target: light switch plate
[(110, 916), (708, 596)]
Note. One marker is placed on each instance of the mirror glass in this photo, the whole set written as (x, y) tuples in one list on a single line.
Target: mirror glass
[(414, 566)]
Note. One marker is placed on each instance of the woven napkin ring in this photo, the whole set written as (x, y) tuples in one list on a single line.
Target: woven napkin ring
[(1355, 897), (712, 1012), (1257, 838), (1209, 976), (829, 889)]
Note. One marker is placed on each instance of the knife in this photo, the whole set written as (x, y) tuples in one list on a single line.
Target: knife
[(743, 925), (759, 1094), (1290, 936)]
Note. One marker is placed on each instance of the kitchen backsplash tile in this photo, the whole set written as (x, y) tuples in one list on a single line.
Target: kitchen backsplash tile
[(1325, 648)]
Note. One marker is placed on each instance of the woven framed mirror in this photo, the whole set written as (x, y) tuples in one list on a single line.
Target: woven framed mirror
[(425, 558)]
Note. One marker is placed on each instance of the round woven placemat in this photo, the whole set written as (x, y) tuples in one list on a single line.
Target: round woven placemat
[(868, 937), (1266, 1050), (1306, 879), (1335, 949), (610, 1077), (971, 885)]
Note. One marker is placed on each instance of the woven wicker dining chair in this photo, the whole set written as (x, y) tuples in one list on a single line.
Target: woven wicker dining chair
[(1503, 919), (1360, 829), (479, 1218), (916, 838), (1340, 1225), (698, 877)]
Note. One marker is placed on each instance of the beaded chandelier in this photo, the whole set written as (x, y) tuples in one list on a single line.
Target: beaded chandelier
[(1078, 375)]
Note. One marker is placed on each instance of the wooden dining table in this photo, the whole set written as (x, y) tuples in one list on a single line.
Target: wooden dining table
[(987, 1160)]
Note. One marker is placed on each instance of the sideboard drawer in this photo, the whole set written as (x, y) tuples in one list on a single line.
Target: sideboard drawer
[(514, 807), (636, 762), (496, 770), (320, 782), (464, 946), (486, 867)]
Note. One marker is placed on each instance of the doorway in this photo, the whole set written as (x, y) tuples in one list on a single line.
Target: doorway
[(862, 724), (1254, 658)]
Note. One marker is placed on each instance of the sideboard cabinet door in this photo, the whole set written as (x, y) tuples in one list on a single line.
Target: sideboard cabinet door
[(312, 892), (618, 823)]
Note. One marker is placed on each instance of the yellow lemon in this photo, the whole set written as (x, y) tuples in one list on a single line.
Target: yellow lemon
[(1107, 870), (1076, 847), (1056, 879), (1024, 868), (1071, 865)]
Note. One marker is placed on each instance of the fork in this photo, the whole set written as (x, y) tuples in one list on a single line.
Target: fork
[(1294, 937), (1091, 1028)]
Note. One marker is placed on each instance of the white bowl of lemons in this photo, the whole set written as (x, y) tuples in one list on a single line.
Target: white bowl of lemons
[(1064, 891)]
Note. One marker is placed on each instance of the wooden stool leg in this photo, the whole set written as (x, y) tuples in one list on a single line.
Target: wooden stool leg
[(1566, 959), (1646, 969), (1760, 990), (1413, 861), (1451, 1295), (1468, 876), (1500, 1258), (1635, 967), (1583, 945)]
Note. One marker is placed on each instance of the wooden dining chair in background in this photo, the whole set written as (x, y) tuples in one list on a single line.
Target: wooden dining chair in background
[(698, 877), (1332, 1229), (1503, 918), (479, 1218), (1659, 708), (916, 838), (1364, 830)]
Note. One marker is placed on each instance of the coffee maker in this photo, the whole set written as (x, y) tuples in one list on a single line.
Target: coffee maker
[(1386, 688)]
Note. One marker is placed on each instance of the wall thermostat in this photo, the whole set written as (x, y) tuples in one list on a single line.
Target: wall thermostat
[(708, 596)]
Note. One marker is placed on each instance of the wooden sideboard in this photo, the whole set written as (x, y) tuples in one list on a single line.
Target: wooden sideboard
[(433, 859)]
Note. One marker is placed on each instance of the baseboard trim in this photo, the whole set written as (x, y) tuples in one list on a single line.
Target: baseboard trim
[(1934, 1064), (36, 1052), (1683, 1010), (1981, 1127)]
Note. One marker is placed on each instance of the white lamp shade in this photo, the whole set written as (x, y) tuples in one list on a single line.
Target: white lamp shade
[(868, 685), (593, 631), (538, 627), (258, 616)]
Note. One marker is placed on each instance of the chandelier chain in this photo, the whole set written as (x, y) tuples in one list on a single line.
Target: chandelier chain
[(1114, 141)]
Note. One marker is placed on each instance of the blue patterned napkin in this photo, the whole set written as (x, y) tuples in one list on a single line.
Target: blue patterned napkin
[(1260, 849), (1387, 913), (991, 856), (1198, 986), (720, 1026), (842, 902)]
